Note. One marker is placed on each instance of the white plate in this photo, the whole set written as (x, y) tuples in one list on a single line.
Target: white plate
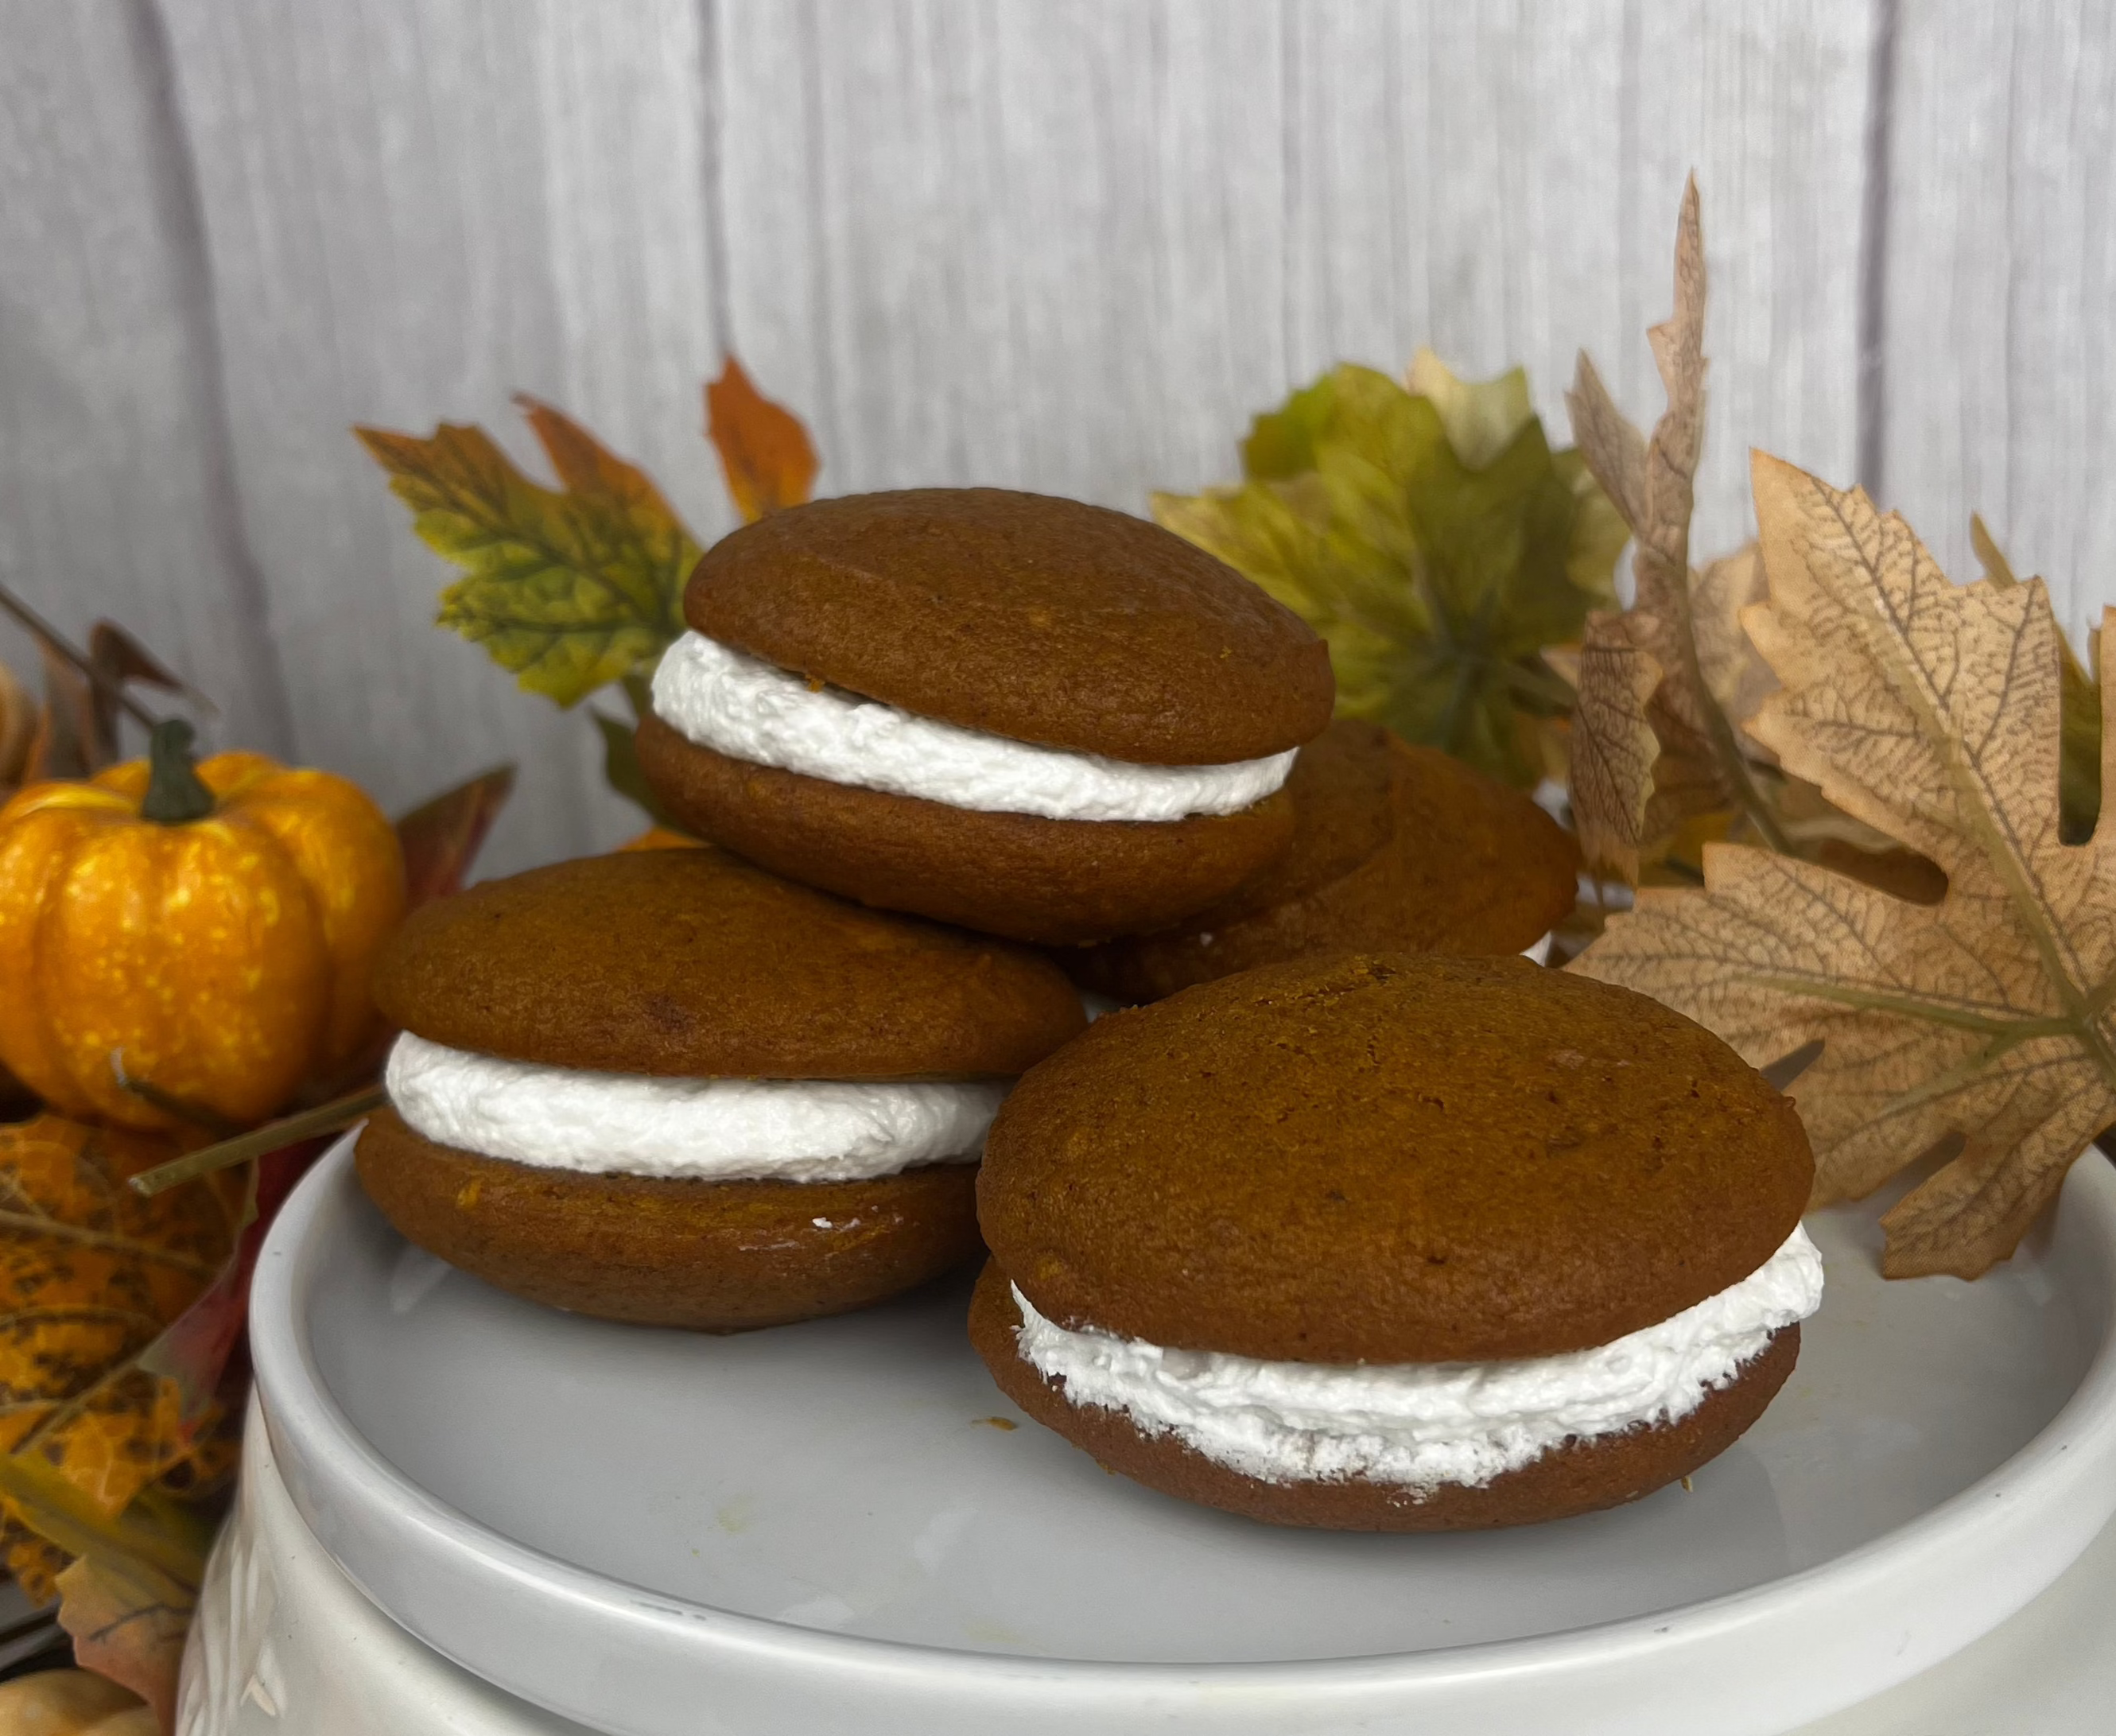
[(821, 1528)]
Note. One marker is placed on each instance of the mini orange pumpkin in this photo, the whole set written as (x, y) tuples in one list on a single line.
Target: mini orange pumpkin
[(211, 928)]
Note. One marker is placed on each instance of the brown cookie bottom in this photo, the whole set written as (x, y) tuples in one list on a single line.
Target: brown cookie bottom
[(1020, 875), (711, 1256), (1395, 848), (1580, 1476)]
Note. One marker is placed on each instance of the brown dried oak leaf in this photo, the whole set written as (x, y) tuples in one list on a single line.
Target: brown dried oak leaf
[(1661, 685), (1931, 712)]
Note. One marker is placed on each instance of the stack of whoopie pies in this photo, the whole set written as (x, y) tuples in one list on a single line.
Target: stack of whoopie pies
[(1351, 1227)]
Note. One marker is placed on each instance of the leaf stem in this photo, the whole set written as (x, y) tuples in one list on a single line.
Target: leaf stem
[(1955, 1078), (334, 1116), (70, 1519), (31, 1224), (97, 679), (195, 1115), (491, 517), (1909, 1007), (1726, 747)]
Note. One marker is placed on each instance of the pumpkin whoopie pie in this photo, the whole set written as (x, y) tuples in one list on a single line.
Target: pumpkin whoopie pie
[(666, 1087), (1397, 1243), (1395, 848), (1028, 716)]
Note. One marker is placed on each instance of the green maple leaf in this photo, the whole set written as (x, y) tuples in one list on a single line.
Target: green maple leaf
[(570, 588), (1435, 541)]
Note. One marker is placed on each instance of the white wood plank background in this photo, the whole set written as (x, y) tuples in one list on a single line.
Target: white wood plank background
[(1999, 387), (1502, 183), (1067, 246), (116, 496), (414, 208)]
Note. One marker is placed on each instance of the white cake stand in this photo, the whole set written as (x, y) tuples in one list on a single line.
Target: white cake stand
[(820, 1528)]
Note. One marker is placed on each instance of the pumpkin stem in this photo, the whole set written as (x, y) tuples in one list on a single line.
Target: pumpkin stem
[(176, 794)]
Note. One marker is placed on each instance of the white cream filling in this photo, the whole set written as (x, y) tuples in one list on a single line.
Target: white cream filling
[(750, 709), (786, 1129), (1423, 1424)]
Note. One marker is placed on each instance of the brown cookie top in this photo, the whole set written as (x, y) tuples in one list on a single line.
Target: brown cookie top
[(1390, 1158), (1043, 620), (1395, 848), (690, 962)]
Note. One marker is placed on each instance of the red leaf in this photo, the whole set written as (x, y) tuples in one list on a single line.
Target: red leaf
[(441, 838), (195, 1349), (114, 659)]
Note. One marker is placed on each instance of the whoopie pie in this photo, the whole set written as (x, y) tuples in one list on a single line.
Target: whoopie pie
[(1397, 1243), (1395, 848), (669, 1088), (1031, 716)]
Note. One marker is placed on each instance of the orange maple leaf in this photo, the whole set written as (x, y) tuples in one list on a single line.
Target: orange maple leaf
[(766, 454)]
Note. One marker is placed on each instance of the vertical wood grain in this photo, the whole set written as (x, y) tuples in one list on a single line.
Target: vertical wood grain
[(116, 496), (1067, 247), (986, 242), (1077, 248), (1501, 181), (2000, 342), (415, 208)]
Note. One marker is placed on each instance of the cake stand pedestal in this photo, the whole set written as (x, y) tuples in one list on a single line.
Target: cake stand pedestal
[(285, 1642)]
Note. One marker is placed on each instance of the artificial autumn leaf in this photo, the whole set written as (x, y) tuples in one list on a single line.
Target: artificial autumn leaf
[(194, 1354), (2079, 773), (766, 454), (116, 660), (1481, 417), (62, 745), (72, 1702), (1699, 765), (441, 837), (1437, 582), (130, 1631), (569, 588), (1644, 815), (113, 1440), (580, 587), (1734, 672), (621, 769), (91, 1276), (18, 729), (76, 733), (1614, 746), (1931, 713), (128, 1593)]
